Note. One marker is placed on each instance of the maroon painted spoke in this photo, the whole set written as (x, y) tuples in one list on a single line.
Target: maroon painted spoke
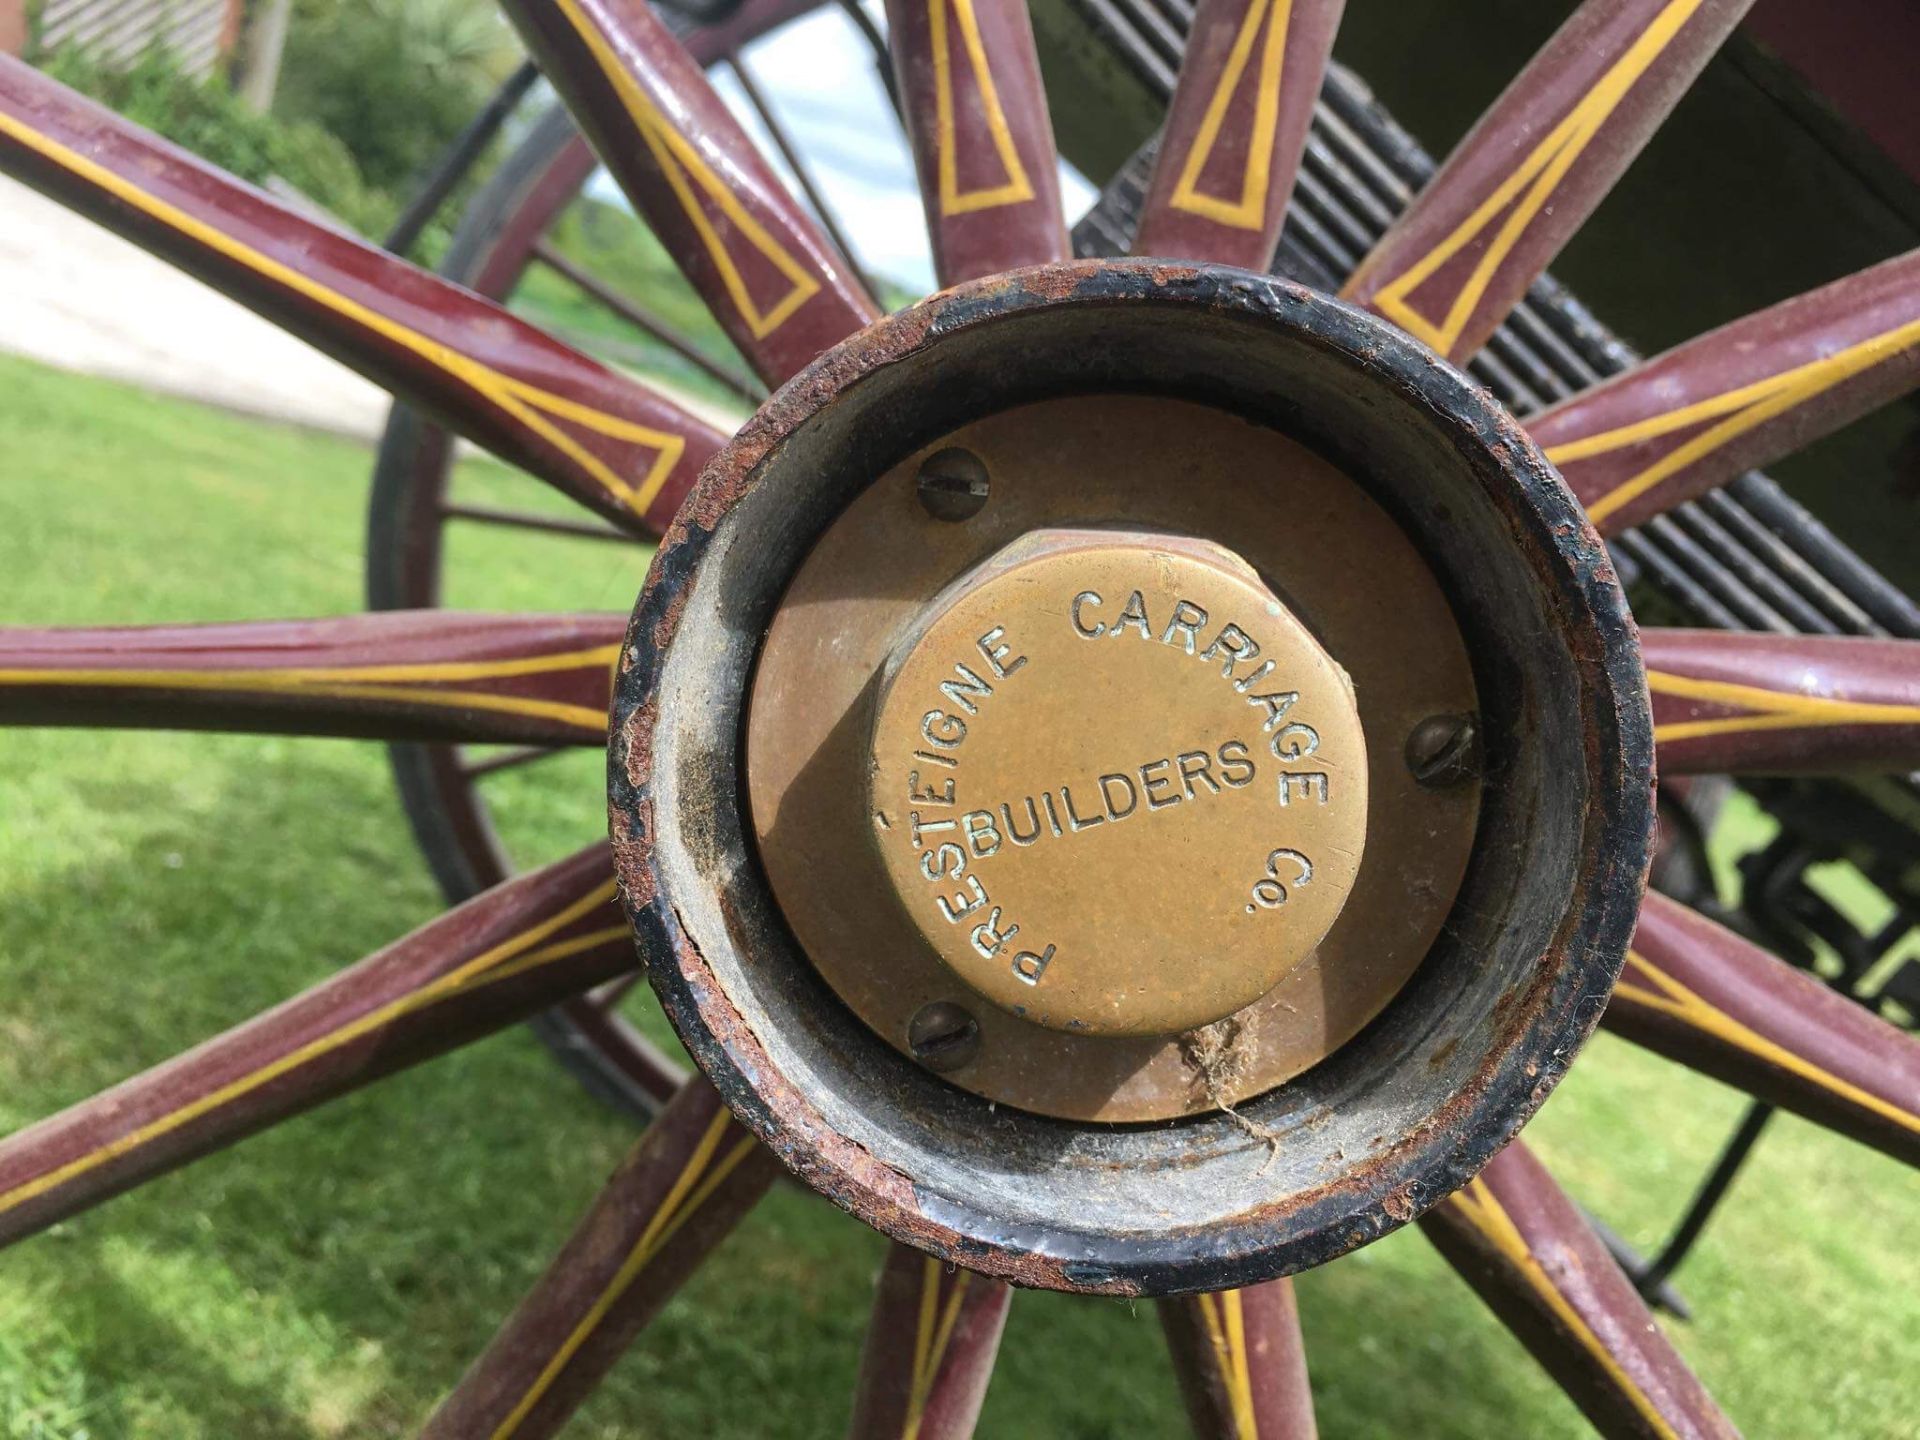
[(512, 759), (1699, 994), (1514, 1236), (1755, 704), (606, 440), (1240, 1362), (771, 279), (877, 43), (1743, 395), (976, 116), (1535, 166), (650, 1075), (931, 1342), (502, 956), (532, 520), (396, 675), (796, 163), (616, 990), (688, 1182), (645, 321), (1235, 130)]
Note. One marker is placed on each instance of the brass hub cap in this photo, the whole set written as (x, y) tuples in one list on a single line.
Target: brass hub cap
[(1116, 784)]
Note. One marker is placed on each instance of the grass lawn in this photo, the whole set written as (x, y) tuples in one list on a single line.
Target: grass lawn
[(334, 1276)]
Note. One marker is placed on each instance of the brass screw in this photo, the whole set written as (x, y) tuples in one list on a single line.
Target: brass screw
[(1444, 750), (953, 484), (942, 1036)]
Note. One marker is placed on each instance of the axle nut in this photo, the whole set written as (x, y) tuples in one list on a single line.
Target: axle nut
[(1119, 788)]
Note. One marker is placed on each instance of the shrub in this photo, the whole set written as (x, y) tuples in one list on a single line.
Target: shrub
[(205, 117), (395, 80)]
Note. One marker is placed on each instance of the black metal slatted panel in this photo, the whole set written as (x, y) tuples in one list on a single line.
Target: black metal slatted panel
[(1747, 558)]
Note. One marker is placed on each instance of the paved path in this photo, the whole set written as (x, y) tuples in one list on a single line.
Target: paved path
[(74, 296)]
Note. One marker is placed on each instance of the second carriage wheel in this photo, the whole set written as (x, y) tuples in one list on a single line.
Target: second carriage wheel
[(508, 236)]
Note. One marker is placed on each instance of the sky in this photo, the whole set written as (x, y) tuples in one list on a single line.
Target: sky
[(817, 74)]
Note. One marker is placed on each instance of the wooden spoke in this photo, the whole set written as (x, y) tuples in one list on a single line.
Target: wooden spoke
[(976, 115), (532, 520), (1514, 1236), (396, 675), (616, 990), (645, 321), (644, 1074), (771, 279), (1535, 166), (604, 439), (1242, 1368), (1756, 704), (502, 760), (507, 954), (1743, 395), (1699, 994), (691, 1178), (1235, 130), (857, 15), (796, 163), (931, 1343)]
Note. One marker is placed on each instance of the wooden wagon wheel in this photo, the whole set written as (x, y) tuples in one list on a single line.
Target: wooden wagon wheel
[(943, 473)]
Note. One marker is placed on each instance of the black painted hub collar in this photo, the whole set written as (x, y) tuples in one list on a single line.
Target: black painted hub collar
[(1404, 1113)]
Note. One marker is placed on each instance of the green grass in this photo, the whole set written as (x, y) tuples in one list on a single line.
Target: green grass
[(332, 1277)]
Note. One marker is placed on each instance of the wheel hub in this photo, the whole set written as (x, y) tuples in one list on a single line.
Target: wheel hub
[(1131, 693)]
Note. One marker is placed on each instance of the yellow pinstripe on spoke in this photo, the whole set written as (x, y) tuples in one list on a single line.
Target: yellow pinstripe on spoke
[(511, 957), (1528, 190), (1744, 409), (546, 955), (1485, 1213), (1673, 998), (1772, 709), (1016, 188), (528, 404), (362, 682), (932, 1335), (688, 1193), (683, 165), (1227, 1332), (1249, 212)]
